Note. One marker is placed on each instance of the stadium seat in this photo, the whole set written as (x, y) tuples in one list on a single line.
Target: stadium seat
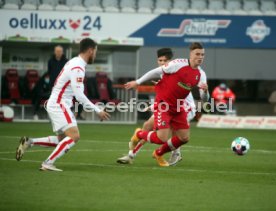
[(12, 80), (145, 6), (75, 5), (234, 7), (197, 6), (30, 5), (162, 6), (93, 5), (48, 5), (179, 6), (214, 7), (128, 6), (12, 4), (268, 7), (251, 7), (62, 7), (104, 88), (110, 5), (4, 92), (31, 79)]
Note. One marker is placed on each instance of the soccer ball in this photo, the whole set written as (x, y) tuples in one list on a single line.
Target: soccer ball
[(240, 146)]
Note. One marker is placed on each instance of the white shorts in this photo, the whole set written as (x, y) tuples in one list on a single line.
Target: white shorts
[(191, 115), (62, 118)]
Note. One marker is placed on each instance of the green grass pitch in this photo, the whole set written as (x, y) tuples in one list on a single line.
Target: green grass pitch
[(210, 176)]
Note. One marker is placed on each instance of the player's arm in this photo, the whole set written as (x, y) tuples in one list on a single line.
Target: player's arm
[(155, 73), (76, 79), (169, 68), (203, 87)]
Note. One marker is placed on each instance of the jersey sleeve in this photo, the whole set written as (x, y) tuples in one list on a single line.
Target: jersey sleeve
[(203, 79), (174, 65), (76, 79), (155, 73)]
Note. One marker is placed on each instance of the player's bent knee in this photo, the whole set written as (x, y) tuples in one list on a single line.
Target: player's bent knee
[(184, 139), (76, 138), (162, 138)]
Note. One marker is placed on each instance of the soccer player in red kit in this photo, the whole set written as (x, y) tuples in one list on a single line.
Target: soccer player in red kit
[(179, 77), (68, 84)]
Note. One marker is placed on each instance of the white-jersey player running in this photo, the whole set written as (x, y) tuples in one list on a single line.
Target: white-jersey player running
[(164, 55), (68, 84)]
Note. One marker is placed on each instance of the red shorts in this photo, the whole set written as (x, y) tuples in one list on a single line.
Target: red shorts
[(167, 119)]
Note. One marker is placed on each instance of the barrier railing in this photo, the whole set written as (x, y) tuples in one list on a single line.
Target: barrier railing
[(128, 116)]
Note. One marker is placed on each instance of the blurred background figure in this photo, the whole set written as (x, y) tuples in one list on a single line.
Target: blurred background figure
[(272, 100), (222, 94), (40, 93), (56, 63)]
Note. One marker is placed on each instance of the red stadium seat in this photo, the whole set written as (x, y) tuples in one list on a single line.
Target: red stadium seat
[(12, 80), (32, 78), (101, 79), (103, 90)]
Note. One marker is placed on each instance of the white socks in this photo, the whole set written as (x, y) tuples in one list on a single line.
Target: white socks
[(64, 146), (50, 141)]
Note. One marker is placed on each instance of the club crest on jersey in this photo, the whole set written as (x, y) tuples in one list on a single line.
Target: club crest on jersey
[(185, 86), (197, 77), (79, 80)]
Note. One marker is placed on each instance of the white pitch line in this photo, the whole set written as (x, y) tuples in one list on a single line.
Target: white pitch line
[(125, 142), (151, 168), (191, 149), (111, 150)]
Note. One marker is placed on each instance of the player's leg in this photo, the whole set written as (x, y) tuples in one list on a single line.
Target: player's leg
[(162, 120), (182, 137), (25, 143), (71, 137), (135, 147), (162, 123), (181, 126), (64, 123), (176, 155), (147, 126)]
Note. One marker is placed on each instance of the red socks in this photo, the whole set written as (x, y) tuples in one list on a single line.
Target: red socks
[(150, 136), (170, 145)]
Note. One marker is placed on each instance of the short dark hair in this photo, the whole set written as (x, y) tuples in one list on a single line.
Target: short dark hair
[(87, 43), (196, 45), (167, 52)]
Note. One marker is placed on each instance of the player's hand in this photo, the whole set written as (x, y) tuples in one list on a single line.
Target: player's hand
[(203, 86), (104, 115), (155, 82), (131, 85), (147, 109)]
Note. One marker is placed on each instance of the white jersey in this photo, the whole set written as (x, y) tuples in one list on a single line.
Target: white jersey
[(69, 84)]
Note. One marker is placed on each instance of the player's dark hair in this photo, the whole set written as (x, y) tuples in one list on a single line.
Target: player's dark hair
[(87, 43), (196, 45), (167, 52)]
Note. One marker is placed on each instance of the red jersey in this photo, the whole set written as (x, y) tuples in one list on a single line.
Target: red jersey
[(223, 96), (177, 82)]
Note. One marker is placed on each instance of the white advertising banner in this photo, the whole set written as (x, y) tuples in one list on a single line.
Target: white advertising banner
[(269, 123), (252, 122), (209, 121), (247, 122), (54, 26)]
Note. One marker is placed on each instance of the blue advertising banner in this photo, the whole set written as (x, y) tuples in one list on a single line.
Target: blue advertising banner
[(212, 31)]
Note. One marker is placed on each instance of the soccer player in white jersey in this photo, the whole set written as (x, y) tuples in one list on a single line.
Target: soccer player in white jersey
[(68, 84), (164, 55)]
